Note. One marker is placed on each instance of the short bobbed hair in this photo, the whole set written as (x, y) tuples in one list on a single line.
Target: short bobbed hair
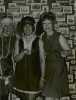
[(25, 20), (47, 15), (44, 16)]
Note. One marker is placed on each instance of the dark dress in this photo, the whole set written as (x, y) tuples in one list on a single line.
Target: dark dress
[(28, 71), (6, 50), (56, 83)]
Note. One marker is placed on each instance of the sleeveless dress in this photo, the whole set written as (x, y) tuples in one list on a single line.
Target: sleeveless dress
[(56, 82), (28, 71)]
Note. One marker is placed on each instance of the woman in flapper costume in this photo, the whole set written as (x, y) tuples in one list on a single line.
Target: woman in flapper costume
[(29, 60)]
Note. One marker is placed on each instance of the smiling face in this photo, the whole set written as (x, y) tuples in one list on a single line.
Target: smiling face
[(27, 29), (7, 26), (47, 26)]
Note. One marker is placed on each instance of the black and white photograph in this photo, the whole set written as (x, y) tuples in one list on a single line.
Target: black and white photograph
[(60, 18), (12, 5), (45, 8), (28, 2), (15, 10), (36, 14), (2, 9), (24, 10), (36, 1), (1, 1), (65, 98), (64, 30), (44, 1), (67, 9), (18, 1), (57, 8), (37, 50), (55, 5), (64, 1), (36, 6), (70, 77), (70, 19), (16, 18)]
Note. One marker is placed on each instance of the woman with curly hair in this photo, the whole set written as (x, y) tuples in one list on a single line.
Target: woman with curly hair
[(55, 77)]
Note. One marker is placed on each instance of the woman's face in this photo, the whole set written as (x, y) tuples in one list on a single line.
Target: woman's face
[(7, 26), (28, 29), (47, 26)]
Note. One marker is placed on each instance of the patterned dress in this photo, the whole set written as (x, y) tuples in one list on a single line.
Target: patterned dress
[(56, 83), (28, 71), (6, 68)]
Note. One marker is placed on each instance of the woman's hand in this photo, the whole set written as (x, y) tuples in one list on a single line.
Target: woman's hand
[(19, 56), (7, 81), (66, 53), (27, 52), (42, 81)]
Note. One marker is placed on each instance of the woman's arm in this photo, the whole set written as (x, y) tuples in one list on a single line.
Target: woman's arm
[(17, 56), (42, 58), (65, 46)]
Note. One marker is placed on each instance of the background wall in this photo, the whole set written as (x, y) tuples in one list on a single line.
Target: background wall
[(65, 11)]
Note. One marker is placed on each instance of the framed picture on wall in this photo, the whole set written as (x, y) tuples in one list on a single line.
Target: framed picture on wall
[(2, 9), (36, 14), (1, 1), (13, 10), (64, 30), (67, 9), (60, 17), (72, 68), (11, 5), (18, 1), (28, 2), (55, 5), (63, 1), (72, 87), (70, 77), (70, 20), (16, 18), (36, 6), (44, 1), (57, 8), (73, 96), (36, 1), (24, 9), (65, 98), (45, 8)]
